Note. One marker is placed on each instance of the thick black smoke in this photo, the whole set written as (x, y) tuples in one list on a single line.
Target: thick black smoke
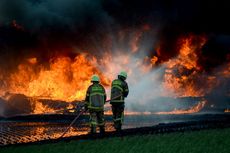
[(55, 27), (215, 52), (49, 26), (175, 18)]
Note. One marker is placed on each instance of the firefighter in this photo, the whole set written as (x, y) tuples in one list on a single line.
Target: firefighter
[(95, 100), (119, 91)]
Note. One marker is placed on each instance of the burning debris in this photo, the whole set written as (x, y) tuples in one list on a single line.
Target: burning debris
[(193, 109)]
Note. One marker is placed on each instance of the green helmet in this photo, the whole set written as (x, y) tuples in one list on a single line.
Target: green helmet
[(124, 74), (95, 78)]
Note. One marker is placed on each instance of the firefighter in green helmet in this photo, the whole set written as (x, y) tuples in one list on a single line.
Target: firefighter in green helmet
[(119, 91), (95, 100)]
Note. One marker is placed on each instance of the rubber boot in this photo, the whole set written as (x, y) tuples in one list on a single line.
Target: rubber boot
[(102, 130), (118, 127), (93, 130)]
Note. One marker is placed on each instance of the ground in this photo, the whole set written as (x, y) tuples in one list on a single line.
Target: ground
[(206, 141)]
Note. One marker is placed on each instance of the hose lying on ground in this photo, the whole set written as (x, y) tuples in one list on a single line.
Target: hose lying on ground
[(82, 110)]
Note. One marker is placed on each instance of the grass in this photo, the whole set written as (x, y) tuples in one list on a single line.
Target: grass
[(207, 141)]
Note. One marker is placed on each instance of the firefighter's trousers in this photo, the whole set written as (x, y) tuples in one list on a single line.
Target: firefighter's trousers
[(118, 115), (96, 119)]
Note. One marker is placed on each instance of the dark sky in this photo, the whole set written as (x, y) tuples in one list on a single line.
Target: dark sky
[(190, 15)]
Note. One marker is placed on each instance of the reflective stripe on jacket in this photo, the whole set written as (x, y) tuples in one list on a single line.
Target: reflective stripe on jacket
[(119, 91), (95, 97)]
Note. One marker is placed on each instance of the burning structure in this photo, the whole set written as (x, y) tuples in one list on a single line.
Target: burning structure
[(173, 53)]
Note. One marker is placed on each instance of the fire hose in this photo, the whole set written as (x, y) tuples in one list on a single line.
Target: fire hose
[(81, 112)]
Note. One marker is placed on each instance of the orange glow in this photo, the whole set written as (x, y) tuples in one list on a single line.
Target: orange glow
[(146, 27), (154, 59), (179, 84), (193, 109), (65, 79), (137, 35), (137, 113), (226, 71), (40, 108), (134, 42), (227, 110), (32, 60)]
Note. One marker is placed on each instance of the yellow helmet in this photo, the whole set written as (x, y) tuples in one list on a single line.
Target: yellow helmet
[(95, 78)]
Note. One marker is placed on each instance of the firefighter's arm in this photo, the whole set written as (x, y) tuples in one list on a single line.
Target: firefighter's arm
[(87, 98), (126, 90), (104, 94)]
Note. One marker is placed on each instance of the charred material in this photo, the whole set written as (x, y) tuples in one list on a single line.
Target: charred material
[(19, 104)]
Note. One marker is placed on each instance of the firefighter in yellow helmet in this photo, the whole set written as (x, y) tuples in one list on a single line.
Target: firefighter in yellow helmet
[(119, 91), (95, 100)]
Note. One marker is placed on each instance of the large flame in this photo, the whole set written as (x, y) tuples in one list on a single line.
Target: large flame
[(65, 79), (182, 70)]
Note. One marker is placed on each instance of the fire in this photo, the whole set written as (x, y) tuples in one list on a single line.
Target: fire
[(154, 59), (137, 113), (134, 42), (65, 79), (181, 71), (193, 109), (40, 108), (32, 60)]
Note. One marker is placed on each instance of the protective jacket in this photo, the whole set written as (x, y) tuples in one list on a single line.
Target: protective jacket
[(95, 97), (119, 91)]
